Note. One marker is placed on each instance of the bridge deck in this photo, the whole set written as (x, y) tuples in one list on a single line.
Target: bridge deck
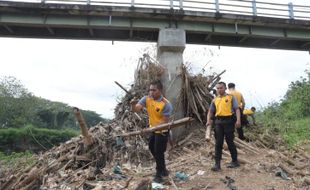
[(20, 19)]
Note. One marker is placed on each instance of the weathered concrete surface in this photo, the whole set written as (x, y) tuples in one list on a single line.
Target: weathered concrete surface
[(171, 44)]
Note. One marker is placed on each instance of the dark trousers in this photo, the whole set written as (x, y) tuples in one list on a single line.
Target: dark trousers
[(224, 129), (158, 146), (240, 133), (240, 129)]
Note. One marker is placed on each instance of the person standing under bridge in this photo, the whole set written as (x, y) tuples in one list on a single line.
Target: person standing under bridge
[(159, 110), (226, 113), (241, 104)]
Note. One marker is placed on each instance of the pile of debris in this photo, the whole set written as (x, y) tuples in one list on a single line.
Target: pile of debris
[(101, 159), (86, 162)]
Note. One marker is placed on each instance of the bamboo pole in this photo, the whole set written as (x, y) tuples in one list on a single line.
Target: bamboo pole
[(173, 124), (83, 126)]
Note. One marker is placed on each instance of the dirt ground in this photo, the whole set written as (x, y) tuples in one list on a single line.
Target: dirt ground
[(196, 161)]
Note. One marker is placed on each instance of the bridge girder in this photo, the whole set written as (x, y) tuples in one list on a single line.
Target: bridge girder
[(143, 24)]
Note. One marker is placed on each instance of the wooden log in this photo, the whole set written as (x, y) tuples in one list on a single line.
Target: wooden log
[(189, 151), (239, 145), (286, 159), (171, 125), (301, 166), (83, 126), (247, 145), (118, 84), (208, 133), (180, 143)]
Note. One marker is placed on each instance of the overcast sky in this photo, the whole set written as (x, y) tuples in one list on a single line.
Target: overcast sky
[(82, 73)]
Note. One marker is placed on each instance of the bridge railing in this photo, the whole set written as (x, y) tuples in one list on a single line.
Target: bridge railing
[(240, 7)]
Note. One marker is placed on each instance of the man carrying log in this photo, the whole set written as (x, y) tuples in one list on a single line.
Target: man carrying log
[(241, 104), (159, 110), (225, 111)]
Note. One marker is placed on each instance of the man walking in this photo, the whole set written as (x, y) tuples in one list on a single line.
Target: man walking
[(241, 104), (159, 110), (227, 116)]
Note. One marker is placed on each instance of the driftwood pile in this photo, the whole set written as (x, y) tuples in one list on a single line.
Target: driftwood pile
[(196, 95), (100, 159), (90, 161)]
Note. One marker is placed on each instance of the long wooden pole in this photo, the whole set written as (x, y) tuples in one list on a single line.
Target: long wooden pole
[(170, 125)]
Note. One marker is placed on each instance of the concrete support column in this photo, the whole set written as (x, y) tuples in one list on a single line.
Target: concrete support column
[(171, 44)]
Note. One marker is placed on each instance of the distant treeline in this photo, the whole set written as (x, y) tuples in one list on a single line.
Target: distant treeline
[(20, 108)]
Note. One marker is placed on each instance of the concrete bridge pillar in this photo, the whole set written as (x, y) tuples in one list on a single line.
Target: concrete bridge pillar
[(170, 47)]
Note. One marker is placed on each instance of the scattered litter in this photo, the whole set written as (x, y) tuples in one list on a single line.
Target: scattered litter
[(229, 182), (116, 169), (181, 175), (200, 172), (281, 173), (157, 185), (119, 141)]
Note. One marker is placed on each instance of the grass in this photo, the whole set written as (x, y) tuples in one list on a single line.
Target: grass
[(293, 132), (19, 139), (10, 163), (297, 131)]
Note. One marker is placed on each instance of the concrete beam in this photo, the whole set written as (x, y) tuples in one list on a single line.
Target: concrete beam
[(138, 24), (9, 29), (50, 30)]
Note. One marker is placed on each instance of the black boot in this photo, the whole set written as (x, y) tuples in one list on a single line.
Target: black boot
[(233, 164), (217, 166), (158, 178), (165, 173)]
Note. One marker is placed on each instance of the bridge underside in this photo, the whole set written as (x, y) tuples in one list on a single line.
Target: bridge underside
[(143, 25)]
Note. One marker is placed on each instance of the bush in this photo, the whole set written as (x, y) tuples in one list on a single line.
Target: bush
[(33, 138), (291, 116)]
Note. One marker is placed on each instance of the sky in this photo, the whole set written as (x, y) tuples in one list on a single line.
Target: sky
[(81, 73)]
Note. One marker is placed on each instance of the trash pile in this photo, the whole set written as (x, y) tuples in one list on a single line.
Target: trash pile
[(85, 162), (101, 159)]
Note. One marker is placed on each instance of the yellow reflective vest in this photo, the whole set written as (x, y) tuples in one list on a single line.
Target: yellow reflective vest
[(223, 105), (154, 109)]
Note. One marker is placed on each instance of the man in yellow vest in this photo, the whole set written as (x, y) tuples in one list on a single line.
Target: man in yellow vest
[(250, 113), (226, 113), (159, 110), (241, 104)]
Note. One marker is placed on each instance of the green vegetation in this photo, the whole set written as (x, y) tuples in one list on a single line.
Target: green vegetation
[(15, 161), (33, 138), (20, 110), (291, 116)]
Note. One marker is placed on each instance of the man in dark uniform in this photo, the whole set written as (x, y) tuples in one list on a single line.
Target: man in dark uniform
[(159, 110), (225, 111), (241, 103)]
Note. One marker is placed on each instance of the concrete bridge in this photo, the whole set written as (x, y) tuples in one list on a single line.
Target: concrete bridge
[(171, 23), (241, 23)]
